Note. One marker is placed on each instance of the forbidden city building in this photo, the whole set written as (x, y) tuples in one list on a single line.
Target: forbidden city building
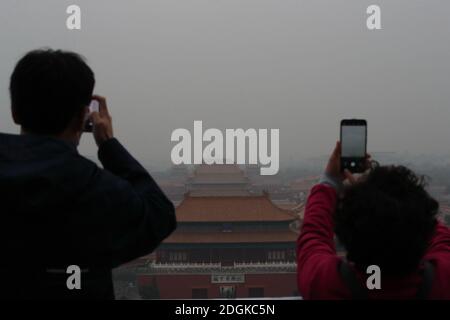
[(225, 246)]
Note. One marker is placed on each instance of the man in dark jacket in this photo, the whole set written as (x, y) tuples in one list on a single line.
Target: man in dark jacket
[(58, 208)]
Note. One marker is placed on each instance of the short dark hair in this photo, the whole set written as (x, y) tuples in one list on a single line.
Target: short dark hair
[(49, 88), (386, 219)]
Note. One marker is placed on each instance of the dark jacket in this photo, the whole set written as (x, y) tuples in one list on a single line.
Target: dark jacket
[(58, 209)]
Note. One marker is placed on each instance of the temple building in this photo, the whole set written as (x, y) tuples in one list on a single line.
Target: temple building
[(229, 243), (226, 246), (218, 180)]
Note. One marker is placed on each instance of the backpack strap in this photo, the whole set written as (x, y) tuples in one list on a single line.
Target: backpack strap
[(357, 291), (427, 281)]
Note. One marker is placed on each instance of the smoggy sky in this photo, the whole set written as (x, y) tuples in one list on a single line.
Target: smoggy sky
[(299, 66)]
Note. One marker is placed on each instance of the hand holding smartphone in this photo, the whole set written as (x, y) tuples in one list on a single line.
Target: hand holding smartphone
[(353, 145), (88, 126)]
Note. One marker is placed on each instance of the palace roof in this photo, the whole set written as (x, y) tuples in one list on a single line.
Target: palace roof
[(218, 174), (252, 208), (232, 237)]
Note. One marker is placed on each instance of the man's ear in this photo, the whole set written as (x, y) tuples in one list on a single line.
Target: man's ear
[(15, 116)]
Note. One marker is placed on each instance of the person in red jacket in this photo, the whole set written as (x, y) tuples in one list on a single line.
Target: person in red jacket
[(384, 217)]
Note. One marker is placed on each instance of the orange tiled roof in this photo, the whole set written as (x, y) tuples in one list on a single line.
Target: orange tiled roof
[(231, 237), (230, 209)]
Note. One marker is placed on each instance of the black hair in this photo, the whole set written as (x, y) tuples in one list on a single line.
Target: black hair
[(386, 219), (49, 88)]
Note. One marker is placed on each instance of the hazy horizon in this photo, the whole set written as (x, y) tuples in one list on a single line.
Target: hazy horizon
[(299, 66)]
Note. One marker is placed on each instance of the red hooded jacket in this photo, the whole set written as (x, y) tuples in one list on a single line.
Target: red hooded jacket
[(318, 276)]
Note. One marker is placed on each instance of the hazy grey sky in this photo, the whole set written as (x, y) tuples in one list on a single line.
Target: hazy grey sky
[(299, 66)]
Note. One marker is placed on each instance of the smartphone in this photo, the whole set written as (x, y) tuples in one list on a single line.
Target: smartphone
[(88, 126), (353, 145)]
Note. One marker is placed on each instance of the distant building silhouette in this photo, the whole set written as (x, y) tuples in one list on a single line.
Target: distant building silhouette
[(218, 179)]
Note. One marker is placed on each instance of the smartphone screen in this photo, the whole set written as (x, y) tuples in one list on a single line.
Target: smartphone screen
[(353, 144), (353, 141)]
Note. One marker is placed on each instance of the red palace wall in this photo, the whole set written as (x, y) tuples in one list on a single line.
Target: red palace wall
[(180, 286)]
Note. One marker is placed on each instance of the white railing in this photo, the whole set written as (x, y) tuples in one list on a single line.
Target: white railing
[(205, 268), (182, 265), (274, 264)]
